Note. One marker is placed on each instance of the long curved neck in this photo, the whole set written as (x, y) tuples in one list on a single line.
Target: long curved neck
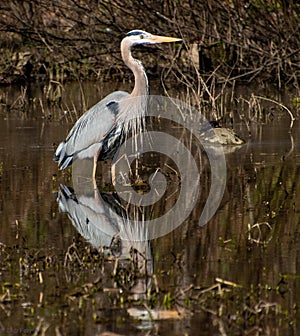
[(141, 81)]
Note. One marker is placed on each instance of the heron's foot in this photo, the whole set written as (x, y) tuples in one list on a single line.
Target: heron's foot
[(140, 186)]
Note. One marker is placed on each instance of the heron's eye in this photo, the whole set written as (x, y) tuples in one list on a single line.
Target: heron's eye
[(141, 37)]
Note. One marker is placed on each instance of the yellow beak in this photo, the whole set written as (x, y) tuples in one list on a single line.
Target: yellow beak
[(162, 39)]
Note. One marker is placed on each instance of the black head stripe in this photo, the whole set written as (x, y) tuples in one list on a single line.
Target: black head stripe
[(135, 32)]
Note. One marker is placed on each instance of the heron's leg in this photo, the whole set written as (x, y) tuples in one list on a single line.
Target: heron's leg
[(96, 155), (113, 174)]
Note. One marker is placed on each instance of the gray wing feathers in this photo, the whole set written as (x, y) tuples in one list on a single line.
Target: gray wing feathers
[(89, 129)]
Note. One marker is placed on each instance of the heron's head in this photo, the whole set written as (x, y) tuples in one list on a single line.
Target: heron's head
[(140, 37)]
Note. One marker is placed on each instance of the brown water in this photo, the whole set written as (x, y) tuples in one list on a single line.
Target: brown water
[(51, 286)]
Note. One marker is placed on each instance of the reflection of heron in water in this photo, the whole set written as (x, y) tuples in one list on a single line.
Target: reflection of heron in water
[(101, 130), (102, 221)]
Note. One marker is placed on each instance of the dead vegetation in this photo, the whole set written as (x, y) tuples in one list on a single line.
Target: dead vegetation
[(228, 40), (93, 285)]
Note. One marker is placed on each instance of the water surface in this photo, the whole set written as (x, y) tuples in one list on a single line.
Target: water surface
[(52, 279)]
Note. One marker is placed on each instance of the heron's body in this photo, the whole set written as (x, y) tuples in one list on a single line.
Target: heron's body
[(89, 132), (100, 131)]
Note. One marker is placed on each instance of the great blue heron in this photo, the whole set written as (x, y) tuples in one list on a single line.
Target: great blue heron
[(99, 132)]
